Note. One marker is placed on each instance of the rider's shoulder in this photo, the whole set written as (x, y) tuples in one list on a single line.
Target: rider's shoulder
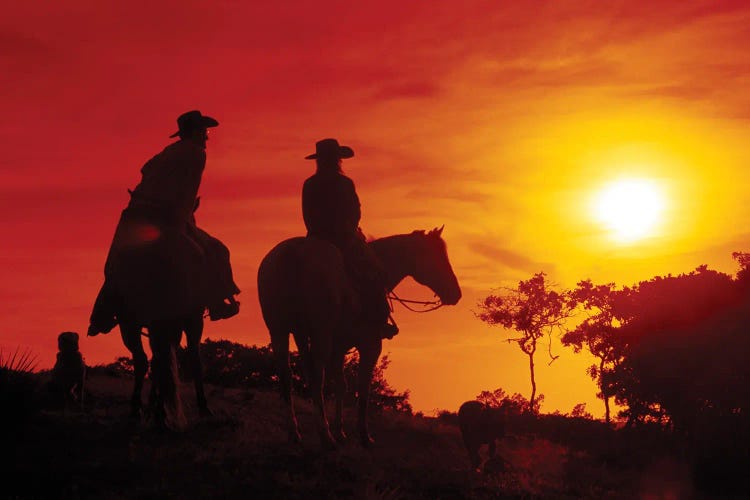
[(328, 180), (310, 181), (343, 180), (185, 149)]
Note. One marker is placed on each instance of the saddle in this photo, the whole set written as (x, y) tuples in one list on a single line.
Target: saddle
[(358, 273)]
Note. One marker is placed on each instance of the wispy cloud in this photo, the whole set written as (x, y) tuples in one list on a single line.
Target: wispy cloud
[(513, 259)]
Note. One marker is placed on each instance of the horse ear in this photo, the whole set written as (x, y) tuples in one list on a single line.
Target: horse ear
[(439, 232)]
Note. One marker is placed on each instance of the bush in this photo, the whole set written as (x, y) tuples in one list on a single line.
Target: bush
[(229, 364)]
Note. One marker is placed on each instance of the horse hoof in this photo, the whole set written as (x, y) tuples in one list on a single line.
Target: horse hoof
[(340, 436)]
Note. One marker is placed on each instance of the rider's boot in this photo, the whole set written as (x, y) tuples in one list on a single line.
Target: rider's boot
[(388, 330), (103, 318)]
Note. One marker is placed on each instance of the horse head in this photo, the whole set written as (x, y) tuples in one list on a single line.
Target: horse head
[(432, 267)]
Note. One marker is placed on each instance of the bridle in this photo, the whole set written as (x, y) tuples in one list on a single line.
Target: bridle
[(431, 305)]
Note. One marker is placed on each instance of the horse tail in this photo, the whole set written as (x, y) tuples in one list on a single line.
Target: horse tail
[(175, 414), (164, 341)]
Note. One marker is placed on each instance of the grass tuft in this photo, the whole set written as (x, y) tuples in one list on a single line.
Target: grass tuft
[(19, 385), (20, 362)]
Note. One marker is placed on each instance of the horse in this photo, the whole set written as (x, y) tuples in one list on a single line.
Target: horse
[(131, 333), (303, 289), (154, 273)]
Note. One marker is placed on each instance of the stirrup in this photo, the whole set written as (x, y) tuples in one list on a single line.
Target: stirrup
[(101, 327)]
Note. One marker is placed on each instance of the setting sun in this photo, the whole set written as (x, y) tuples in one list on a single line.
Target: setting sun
[(629, 209)]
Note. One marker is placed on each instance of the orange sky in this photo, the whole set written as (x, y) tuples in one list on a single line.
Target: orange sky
[(499, 120)]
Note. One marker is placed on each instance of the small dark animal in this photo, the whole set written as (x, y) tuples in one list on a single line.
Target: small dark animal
[(69, 372), (480, 424)]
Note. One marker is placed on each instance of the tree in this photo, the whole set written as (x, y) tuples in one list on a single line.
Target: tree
[(743, 259), (685, 348), (598, 334), (533, 309), (515, 404), (493, 399), (579, 411)]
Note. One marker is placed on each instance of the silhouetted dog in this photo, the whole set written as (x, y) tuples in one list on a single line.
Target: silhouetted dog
[(69, 372), (480, 424)]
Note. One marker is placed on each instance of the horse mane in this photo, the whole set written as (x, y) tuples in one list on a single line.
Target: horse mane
[(432, 233)]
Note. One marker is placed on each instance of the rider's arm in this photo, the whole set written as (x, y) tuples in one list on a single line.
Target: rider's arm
[(352, 209), (192, 164), (309, 209)]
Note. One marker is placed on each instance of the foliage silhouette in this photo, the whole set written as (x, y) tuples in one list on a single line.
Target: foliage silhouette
[(598, 334), (674, 351), (514, 404), (230, 364), (534, 309), (674, 326)]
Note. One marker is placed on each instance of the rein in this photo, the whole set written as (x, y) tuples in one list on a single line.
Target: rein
[(432, 304)]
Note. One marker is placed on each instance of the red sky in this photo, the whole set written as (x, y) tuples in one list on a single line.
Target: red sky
[(498, 119)]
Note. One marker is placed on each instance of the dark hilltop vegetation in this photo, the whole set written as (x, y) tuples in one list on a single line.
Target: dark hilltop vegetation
[(66, 449)]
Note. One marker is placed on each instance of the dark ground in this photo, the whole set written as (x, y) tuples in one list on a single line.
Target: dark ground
[(242, 452)]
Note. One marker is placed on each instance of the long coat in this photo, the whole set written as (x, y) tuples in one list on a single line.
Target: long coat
[(154, 265)]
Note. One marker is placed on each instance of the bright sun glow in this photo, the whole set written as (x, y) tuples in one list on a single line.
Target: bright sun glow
[(630, 209)]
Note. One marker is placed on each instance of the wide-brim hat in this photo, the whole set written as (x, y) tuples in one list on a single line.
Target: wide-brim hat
[(330, 148), (193, 120)]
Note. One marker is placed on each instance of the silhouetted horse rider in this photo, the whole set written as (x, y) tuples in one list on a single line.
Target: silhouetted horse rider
[(331, 210), (163, 205)]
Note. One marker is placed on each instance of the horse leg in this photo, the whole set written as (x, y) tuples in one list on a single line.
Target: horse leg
[(164, 338), (131, 337), (337, 365), (303, 347), (369, 352), (280, 348), (320, 350), (193, 333)]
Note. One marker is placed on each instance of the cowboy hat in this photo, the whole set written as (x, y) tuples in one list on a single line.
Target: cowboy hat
[(329, 148), (193, 120)]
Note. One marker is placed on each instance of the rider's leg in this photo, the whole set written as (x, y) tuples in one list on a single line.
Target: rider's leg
[(367, 273), (103, 314), (377, 311), (219, 276)]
